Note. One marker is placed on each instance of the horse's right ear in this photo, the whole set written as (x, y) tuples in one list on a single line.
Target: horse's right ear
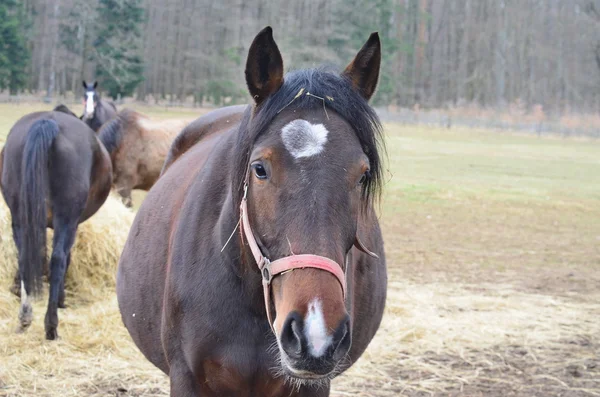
[(84, 84), (264, 66)]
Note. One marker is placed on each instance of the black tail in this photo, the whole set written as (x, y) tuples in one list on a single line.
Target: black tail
[(34, 188)]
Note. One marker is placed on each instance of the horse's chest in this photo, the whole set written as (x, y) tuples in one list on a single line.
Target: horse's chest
[(223, 379)]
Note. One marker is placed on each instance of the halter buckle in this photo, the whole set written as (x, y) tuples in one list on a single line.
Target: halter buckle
[(265, 271)]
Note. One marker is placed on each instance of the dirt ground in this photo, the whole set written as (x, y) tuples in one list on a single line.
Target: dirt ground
[(493, 249)]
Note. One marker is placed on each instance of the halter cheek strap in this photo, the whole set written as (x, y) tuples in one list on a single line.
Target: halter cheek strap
[(269, 269)]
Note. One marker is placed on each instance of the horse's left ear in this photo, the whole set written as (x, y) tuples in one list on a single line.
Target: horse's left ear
[(363, 71), (264, 66), (95, 84)]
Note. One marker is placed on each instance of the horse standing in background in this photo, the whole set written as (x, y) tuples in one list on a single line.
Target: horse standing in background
[(54, 172), (281, 306), (138, 147), (96, 111)]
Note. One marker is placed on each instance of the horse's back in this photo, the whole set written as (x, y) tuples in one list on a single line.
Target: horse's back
[(17, 138), (78, 161), (218, 120)]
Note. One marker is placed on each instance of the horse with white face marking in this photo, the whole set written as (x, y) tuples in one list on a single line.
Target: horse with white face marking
[(248, 268), (96, 111)]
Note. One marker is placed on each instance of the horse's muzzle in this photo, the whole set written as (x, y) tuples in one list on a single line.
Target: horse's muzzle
[(310, 352)]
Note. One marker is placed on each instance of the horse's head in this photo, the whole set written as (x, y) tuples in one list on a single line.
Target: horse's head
[(90, 100), (311, 160)]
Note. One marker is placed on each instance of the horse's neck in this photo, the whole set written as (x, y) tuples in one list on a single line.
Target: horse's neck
[(100, 111), (95, 122)]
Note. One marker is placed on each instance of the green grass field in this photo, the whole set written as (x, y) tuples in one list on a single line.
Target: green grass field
[(497, 195), (10, 113), (493, 247)]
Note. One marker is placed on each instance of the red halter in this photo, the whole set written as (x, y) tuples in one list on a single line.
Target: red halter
[(270, 269)]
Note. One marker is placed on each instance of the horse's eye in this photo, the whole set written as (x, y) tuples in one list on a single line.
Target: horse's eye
[(259, 171), (364, 178)]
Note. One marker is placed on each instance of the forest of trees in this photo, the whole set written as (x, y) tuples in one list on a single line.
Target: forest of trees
[(437, 53)]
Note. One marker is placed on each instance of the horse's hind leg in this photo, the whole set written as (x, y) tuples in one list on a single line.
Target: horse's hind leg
[(16, 287), (64, 237), (25, 311), (61, 293)]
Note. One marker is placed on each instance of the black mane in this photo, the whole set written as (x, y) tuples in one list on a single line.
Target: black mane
[(64, 109), (347, 103), (112, 131)]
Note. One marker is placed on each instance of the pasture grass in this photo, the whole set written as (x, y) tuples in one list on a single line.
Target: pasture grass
[(493, 250)]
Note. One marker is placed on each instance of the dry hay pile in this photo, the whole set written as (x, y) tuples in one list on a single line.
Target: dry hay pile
[(95, 253), (437, 338), (484, 339), (90, 329)]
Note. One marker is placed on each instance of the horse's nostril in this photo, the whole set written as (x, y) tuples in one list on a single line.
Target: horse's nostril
[(291, 336), (342, 339)]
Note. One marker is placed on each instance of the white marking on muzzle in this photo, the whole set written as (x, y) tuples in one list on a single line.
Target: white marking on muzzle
[(303, 139), (315, 329), (89, 103)]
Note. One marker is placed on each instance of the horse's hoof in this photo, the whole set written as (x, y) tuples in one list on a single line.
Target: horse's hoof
[(25, 315), (21, 330), (51, 334), (62, 305)]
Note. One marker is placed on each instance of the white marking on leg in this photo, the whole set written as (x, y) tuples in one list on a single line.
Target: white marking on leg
[(23, 293), (26, 311), (89, 103), (315, 329), (303, 139)]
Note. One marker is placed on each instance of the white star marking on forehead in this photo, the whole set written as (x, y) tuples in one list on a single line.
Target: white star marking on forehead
[(303, 139)]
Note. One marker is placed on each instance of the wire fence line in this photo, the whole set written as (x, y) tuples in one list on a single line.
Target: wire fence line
[(583, 126)]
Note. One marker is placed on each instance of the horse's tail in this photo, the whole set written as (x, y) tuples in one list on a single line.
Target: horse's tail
[(34, 189)]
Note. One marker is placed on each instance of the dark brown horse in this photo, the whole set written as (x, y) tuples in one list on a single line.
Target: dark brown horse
[(96, 111), (138, 147), (54, 172), (292, 180), (211, 123)]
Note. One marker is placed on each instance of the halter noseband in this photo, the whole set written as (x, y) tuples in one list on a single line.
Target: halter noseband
[(270, 270)]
